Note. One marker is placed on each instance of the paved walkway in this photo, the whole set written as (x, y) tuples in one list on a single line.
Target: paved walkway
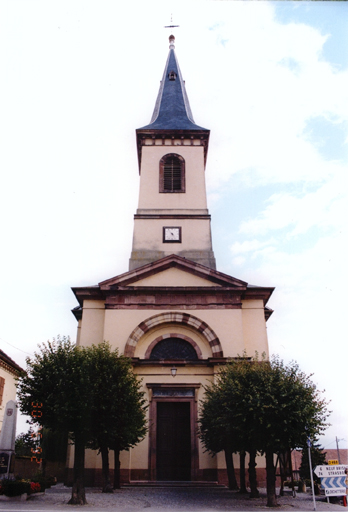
[(136, 499)]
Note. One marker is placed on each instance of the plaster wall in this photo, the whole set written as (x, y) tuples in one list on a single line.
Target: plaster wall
[(227, 324), (93, 460), (9, 391), (91, 329), (237, 329), (254, 327), (221, 462), (195, 195), (195, 235), (173, 277)]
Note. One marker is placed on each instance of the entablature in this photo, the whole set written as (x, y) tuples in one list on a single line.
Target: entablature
[(172, 138)]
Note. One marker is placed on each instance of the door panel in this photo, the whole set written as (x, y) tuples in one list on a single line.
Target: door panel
[(173, 450)]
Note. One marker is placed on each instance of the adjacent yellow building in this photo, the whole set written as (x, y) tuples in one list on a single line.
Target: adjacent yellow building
[(9, 371), (173, 313)]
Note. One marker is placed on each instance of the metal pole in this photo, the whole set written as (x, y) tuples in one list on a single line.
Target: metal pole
[(311, 472), (338, 451)]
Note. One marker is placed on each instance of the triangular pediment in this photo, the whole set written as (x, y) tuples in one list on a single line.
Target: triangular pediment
[(173, 271), (172, 281), (174, 277)]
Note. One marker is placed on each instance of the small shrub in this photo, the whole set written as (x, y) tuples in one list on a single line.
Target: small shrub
[(14, 487)]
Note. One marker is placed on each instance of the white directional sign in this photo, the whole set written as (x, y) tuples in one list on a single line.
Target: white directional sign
[(339, 491), (326, 471), (333, 479)]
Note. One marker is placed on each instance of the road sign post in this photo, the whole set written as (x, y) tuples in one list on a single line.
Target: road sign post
[(333, 479), (309, 444)]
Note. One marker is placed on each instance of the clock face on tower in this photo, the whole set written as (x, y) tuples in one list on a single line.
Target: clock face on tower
[(172, 234)]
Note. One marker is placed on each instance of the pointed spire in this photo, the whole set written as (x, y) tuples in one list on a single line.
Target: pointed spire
[(172, 109)]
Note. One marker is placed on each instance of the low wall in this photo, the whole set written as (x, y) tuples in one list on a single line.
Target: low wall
[(25, 468)]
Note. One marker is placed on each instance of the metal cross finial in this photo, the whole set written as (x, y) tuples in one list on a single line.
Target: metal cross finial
[(171, 23)]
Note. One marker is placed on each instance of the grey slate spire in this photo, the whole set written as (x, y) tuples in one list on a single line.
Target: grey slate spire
[(172, 110)]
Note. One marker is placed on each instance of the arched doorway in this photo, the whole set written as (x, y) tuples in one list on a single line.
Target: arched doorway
[(173, 415), (173, 453)]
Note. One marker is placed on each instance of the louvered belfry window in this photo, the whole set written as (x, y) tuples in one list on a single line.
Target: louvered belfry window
[(172, 173)]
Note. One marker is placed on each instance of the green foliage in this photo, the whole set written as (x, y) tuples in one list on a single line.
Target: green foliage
[(318, 458), (262, 405), (53, 444), (87, 393), (55, 389), (90, 392), (24, 443), (12, 488), (118, 410)]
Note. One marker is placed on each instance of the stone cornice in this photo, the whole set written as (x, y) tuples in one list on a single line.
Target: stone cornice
[(9, 365), (121, 292), (173, 297), (146, 135), (173, 261), (171, 216)]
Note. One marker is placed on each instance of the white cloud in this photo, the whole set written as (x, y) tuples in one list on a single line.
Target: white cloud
[(324, 208)]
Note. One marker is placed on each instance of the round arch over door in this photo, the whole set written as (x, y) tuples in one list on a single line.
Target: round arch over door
[(170, 336), (173, 413), (174, 318)]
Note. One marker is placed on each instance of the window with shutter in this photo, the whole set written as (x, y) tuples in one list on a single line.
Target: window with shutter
[(172, 174), (2, 385)]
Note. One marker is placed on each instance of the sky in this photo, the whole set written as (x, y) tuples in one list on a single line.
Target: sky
[(269, 79)]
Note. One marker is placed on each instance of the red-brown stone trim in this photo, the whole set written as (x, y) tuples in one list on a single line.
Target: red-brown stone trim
[(150, 216), (153, 425), (174, 318), (173, 335)]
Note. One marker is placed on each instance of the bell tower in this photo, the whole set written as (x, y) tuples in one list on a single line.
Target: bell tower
[(172, 215)]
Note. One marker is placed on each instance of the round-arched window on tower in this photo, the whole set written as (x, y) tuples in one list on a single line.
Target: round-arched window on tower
[(172, 173), (172, 349)]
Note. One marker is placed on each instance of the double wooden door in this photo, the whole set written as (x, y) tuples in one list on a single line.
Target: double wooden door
[(173, 444)]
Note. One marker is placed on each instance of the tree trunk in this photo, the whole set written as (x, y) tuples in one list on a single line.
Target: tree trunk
[(232, 482), (107, 487), (117, 476), (78, 494), (243, 489), (271, 479), (254, 493)]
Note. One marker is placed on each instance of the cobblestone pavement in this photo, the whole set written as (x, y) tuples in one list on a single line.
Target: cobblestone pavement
[(136, 499)]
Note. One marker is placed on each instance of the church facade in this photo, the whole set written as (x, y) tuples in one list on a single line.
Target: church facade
[(172, 312)]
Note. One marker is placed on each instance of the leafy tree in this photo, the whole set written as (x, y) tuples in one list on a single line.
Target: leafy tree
[(24, 443), (268, 407), (118, 411), (52, 445), (215, 434), (318, 459), (87, 393), (55, 391)]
